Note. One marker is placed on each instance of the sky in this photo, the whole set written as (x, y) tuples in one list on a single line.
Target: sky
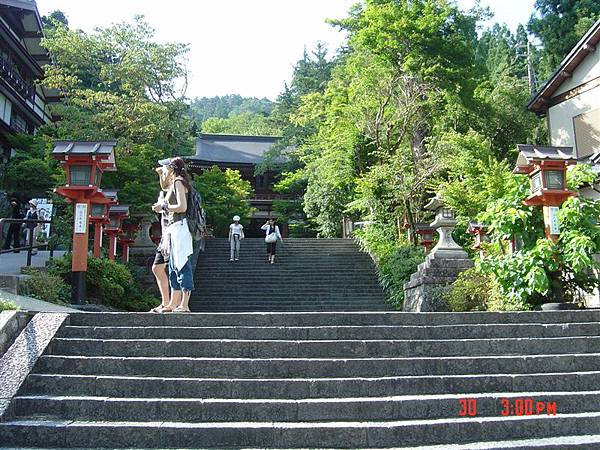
[(240, 46)]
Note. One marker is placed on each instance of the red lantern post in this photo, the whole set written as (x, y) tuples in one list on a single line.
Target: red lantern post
[(99, 216), (84, 163), (547, 171), (116, 215), (128, 238), (425, 231)]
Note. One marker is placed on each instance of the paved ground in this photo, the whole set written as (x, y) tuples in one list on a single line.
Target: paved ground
[(11, 263)]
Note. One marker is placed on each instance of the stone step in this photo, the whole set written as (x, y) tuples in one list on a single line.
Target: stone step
[(302, 388), (334, 319), (324, 307), (289, 291), (315, 367), (228, 348), (361, 434), (479, 331), (412, 407)]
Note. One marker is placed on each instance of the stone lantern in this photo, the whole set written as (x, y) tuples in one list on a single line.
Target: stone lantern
[(116, 214), (441, 267), (444, 223), (84, 163), (99, 216), (425, 231), (547, 171)]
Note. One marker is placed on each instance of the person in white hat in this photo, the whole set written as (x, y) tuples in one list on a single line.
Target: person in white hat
[(236, 234)]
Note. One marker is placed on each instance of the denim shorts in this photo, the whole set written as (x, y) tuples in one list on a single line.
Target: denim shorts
[(181, 280)]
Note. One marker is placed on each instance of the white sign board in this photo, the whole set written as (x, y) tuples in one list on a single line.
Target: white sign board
[(44, 210), (81, 215), (554, 226)]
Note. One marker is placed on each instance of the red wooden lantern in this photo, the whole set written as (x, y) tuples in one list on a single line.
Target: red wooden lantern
[(99, 216), (547, 171), (425, 231), (127, 238), (84, 163), (116, 215), (479, 231)]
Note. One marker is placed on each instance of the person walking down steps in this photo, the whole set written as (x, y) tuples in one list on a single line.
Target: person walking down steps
[(271, 238), (236, 234)]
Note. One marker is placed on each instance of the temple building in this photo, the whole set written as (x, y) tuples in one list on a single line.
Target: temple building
[(23, 103), (242, 153), (570, 100)]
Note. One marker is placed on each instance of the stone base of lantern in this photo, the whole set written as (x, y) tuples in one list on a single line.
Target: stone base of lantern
[(441, 268)]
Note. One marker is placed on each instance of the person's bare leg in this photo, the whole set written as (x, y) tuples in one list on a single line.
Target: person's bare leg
[(162, 281), (175, 300), (185, 299)]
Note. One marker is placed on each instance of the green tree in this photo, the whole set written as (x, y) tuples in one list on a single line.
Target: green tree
[(244, 123), (224, 194), (119, 83), (559, 24)]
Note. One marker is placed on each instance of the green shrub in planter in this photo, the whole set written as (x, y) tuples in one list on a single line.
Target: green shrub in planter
[(45, 286), (108, 283), (6, 305)]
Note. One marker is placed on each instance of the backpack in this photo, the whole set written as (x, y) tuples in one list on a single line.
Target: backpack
[(195, 215)]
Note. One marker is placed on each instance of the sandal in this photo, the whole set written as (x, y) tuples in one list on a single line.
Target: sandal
[(166, 309), (156, 310), (179, 309)]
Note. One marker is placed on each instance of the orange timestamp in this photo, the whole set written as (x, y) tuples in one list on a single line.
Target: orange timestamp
[(519, 406)]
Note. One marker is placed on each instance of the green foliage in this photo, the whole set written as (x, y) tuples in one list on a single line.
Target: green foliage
[(224, 194), (30, 177), (119, 83), (472, 291), (6, 305), (543, 270), (204, 108), (473, 177), (396, 260), (109, 283), (244, 124), (559, 24), (45, 286)]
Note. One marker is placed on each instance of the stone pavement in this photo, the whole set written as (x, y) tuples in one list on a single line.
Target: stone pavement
[(11, 263), (32, 304)]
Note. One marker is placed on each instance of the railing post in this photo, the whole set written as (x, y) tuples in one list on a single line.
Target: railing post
[(30, 245)]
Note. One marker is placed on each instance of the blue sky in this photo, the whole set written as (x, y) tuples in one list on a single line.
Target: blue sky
[(241, 46)]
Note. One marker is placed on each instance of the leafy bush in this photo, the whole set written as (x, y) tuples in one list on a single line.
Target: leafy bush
[(396, 260), (108, 283), (470, 292), (6, 305), (543, 270), (45, 286)]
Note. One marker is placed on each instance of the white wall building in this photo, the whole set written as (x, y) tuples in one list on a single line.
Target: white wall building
[(570, 101)]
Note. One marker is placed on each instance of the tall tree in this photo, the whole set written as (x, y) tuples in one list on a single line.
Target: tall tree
[(559, 24), (119, 83)]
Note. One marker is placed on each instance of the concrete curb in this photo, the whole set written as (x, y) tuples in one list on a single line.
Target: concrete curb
[(20, 358)]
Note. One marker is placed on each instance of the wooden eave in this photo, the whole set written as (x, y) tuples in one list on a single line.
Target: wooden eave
[(588, 44)]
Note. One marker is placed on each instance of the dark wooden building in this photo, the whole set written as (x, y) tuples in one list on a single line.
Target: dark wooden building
[(23, 103), (242, 153)]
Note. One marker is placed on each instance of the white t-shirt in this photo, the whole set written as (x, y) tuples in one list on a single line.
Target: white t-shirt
[(236, 228)]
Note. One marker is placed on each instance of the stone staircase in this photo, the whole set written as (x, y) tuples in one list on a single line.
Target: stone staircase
[(314, 380), (308, 275)]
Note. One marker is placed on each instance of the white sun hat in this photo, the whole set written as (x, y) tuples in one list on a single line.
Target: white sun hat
[(236, 218)]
